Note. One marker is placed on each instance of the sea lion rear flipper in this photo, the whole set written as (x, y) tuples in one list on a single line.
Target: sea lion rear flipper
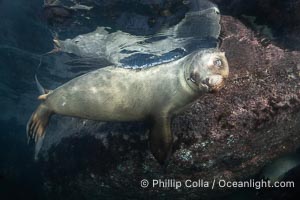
[(161, 139), (37, 124), (44, 92)]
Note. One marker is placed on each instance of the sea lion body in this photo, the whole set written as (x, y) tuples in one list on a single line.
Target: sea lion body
[(118, 94)]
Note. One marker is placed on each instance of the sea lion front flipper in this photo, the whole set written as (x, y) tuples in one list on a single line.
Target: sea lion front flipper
[(161, 139)]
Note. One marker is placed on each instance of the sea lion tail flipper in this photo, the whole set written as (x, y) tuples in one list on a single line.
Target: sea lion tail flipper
[(44, 92), (161, 139), (37, 124), (39, 86)]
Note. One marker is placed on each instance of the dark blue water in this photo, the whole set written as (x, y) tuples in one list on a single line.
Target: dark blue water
[(23, 37)]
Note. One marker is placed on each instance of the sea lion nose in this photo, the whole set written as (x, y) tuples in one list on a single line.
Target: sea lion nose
[(214, 82), (205, 81)]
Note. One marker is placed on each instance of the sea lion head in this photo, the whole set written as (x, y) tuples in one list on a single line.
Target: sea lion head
[(208, 70)]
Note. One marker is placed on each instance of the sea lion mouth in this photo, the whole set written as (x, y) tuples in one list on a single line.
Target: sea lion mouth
[(213, 83)]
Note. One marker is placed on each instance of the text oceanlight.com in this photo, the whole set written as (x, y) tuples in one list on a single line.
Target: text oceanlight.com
[(173, 183)]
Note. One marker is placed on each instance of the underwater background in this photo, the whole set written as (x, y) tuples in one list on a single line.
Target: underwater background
[(86, 166), (23, 37)]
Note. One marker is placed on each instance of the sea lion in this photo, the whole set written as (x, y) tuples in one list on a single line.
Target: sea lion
[(118, 94)]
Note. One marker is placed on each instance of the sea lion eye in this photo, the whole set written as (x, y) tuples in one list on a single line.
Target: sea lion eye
[(218, 63)]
